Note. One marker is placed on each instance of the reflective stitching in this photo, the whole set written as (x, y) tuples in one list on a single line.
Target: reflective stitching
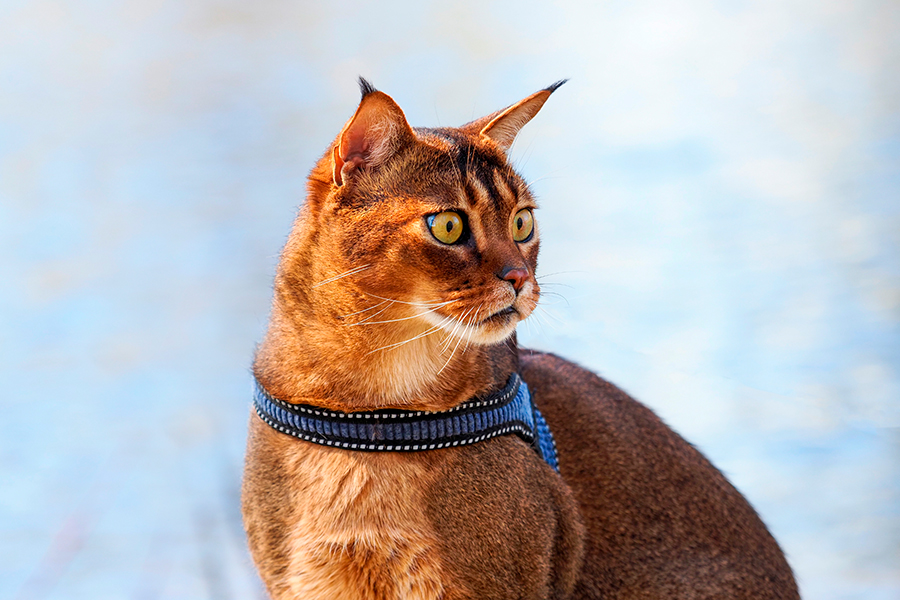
[(529, 424)]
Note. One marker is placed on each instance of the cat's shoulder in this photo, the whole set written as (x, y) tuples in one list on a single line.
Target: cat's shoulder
[(552, 379), (587, 412)]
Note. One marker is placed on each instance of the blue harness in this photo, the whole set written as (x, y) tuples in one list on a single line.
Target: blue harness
[(507, 411)]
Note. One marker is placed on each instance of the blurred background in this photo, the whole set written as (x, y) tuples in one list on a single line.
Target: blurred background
[(720, 213)]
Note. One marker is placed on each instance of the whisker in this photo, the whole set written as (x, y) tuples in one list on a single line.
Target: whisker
[(449, 340), (545, 178), (563, 298), (456, 346), (541, 321), (546, 311), (363, 310), (467, 321), (535, 323), (415, 337), (555, 283), (394, 320), (420, 304), (559, 273), (457, 323), (352, 271), (471, 329), (527, 325), (551, 293), (372, 316), (526, 154)]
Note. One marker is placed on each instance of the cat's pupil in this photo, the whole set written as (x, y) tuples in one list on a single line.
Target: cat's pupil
[(449, 226), (519, 223)]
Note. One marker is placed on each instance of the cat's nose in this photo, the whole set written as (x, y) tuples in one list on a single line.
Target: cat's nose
[(517, 276)]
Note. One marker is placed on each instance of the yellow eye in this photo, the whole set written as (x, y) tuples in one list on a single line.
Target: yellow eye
[(446, 227), (523, 225)]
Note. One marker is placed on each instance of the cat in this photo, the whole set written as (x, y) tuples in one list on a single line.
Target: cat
[(397, 296)]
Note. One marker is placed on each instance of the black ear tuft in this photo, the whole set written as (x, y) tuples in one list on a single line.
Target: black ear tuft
[(555, 86), (365, 88)]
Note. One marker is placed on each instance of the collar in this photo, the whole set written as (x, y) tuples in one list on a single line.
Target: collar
[(508, 411)]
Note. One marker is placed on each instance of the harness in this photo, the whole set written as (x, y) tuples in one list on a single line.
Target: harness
[(508, 411)]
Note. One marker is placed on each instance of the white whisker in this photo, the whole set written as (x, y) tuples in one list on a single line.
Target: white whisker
[(450, 335), (471, 329), (363, 310), (415, 337), (352, 271), (539, 322), (461, 321), (543, 178), (419, 304), (563, 298), (559, 273), (456, 325), (547, 312), (394, 320), (448, 339), (556, 283), (372, 316)]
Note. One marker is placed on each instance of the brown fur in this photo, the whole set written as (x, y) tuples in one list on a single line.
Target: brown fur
[(370, 311)]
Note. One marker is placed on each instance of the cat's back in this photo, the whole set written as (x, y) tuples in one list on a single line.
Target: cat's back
[(661, 521)]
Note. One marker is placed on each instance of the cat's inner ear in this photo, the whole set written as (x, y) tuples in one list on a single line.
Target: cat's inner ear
[(503, 126), (374, 134)]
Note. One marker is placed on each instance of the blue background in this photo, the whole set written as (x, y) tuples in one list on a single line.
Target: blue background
[(720, 211)]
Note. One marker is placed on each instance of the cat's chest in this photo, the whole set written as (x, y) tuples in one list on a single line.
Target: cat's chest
[(359, 528)]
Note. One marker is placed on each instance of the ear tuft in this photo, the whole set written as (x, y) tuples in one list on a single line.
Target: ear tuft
[(366, 88), (555, 86)]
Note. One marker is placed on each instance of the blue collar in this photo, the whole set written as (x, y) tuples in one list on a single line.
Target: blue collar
[(509, 411)]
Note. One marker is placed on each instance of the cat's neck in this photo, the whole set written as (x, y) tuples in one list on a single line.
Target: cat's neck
[(316, 353)]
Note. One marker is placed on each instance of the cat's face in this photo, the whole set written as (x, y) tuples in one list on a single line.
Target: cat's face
[(430, 228), (447, 230)]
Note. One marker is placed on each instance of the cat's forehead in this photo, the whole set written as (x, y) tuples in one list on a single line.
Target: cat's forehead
[(467, 149), (478, 172)]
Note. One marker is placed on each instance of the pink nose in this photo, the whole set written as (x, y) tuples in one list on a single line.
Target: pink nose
[(516, 276)]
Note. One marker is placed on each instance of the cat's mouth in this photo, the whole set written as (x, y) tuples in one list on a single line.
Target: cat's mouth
[(501, 316), (490, 330)]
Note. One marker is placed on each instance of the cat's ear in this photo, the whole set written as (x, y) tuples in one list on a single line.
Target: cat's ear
[(502, 127), (374, 134)]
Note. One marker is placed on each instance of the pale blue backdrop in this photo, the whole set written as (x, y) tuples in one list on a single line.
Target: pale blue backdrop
[(720, 191)]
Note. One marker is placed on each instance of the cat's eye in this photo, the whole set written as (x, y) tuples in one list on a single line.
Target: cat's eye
[(523, 225), (446, 227)]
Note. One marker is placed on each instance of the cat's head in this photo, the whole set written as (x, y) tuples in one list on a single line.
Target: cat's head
[(430, 226)]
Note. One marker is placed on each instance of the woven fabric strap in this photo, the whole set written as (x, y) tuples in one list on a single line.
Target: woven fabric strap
[(509, 411)]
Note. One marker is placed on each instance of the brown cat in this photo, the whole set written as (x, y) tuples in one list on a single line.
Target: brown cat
[(400, 287)]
